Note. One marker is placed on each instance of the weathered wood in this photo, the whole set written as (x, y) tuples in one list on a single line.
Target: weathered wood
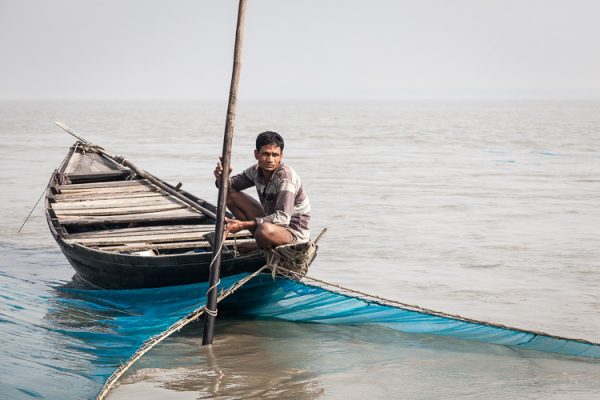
[(73, 162), (122, 161), (65, 189), (104, 177), (144, 238), (109, 196), (119, 271), (115, 203), (120, 210), (107, 190), (175, 215), (90, 163), (170, 246), (145, 229), (103, 184)]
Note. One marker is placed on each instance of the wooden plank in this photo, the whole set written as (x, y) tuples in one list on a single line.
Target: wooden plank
[(174, 215), (73, 162), (105, 190), (144, 229), (169, 246), (92, 163), (112, 203), (106, 176), (120, 210), (65, 189), (91, 185), (143, 238), (109, 196)]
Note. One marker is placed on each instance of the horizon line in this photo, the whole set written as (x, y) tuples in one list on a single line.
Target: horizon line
[(258, 99)]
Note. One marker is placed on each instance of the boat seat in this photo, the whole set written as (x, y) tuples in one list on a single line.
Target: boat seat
[(154, 237)]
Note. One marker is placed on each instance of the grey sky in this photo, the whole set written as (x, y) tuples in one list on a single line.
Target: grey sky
[(182, 49)]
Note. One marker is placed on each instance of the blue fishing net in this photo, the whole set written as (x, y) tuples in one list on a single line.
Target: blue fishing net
[(103, 328), (72, 340), (301, 302)]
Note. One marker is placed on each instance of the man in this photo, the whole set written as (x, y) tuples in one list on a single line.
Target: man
[(283, 215)]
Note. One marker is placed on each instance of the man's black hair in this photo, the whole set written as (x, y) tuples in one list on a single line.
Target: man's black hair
[(269, 137)]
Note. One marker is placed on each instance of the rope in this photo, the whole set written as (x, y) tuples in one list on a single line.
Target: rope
[(293, 260), (39, 198), (411, 307), (90, 147), (31, 212), (298, 275), (298, 256), (214, 312), (176, 327)]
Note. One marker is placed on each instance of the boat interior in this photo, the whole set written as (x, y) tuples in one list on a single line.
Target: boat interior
[(95, 202)]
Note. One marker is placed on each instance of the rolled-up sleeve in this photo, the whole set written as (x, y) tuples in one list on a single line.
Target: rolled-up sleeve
[(238, 182)]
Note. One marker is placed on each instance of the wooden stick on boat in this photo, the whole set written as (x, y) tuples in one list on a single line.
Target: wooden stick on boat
[(140, 172), (211, 304)]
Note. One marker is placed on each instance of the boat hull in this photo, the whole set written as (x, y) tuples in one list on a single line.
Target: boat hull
[(121, 231), (121, 271)]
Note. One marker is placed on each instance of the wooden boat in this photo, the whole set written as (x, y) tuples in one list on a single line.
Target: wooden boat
[(122, 228)]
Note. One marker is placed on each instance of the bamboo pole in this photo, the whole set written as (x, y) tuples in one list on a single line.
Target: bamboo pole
[(211, 304)]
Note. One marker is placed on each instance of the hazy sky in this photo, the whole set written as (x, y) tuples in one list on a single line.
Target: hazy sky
[(182, 49)]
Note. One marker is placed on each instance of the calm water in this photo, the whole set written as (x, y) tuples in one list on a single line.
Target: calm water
[(485, 209)]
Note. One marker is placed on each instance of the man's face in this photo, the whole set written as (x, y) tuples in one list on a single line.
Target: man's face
[(268, 157)]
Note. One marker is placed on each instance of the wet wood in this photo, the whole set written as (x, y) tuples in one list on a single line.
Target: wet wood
[(169, 246)]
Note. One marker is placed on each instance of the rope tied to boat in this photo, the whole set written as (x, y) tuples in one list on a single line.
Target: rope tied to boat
[(293, 260), (299, 256), (121, 160), (296, 258), (176, 327), (88, 147), (216, 285)]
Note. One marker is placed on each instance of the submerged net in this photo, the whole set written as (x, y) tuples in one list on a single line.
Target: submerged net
[(116, 327), (322, 302), (110, 329)]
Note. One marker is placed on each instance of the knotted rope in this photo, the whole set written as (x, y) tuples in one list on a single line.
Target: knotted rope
[(87, 147), (293, 260)]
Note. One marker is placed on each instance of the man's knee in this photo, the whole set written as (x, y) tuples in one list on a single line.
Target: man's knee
[(233, 198), (264, 230), (269, 235)]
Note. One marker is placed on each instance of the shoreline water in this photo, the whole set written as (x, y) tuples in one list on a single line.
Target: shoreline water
[(484, 210)]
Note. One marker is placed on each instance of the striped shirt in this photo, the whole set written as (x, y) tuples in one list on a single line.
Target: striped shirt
[(283, 198)]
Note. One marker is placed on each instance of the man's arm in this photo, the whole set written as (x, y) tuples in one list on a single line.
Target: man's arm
[(235, 225), (237, 182)]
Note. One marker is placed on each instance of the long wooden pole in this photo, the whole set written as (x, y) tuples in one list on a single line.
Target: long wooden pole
[(211, 304)]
